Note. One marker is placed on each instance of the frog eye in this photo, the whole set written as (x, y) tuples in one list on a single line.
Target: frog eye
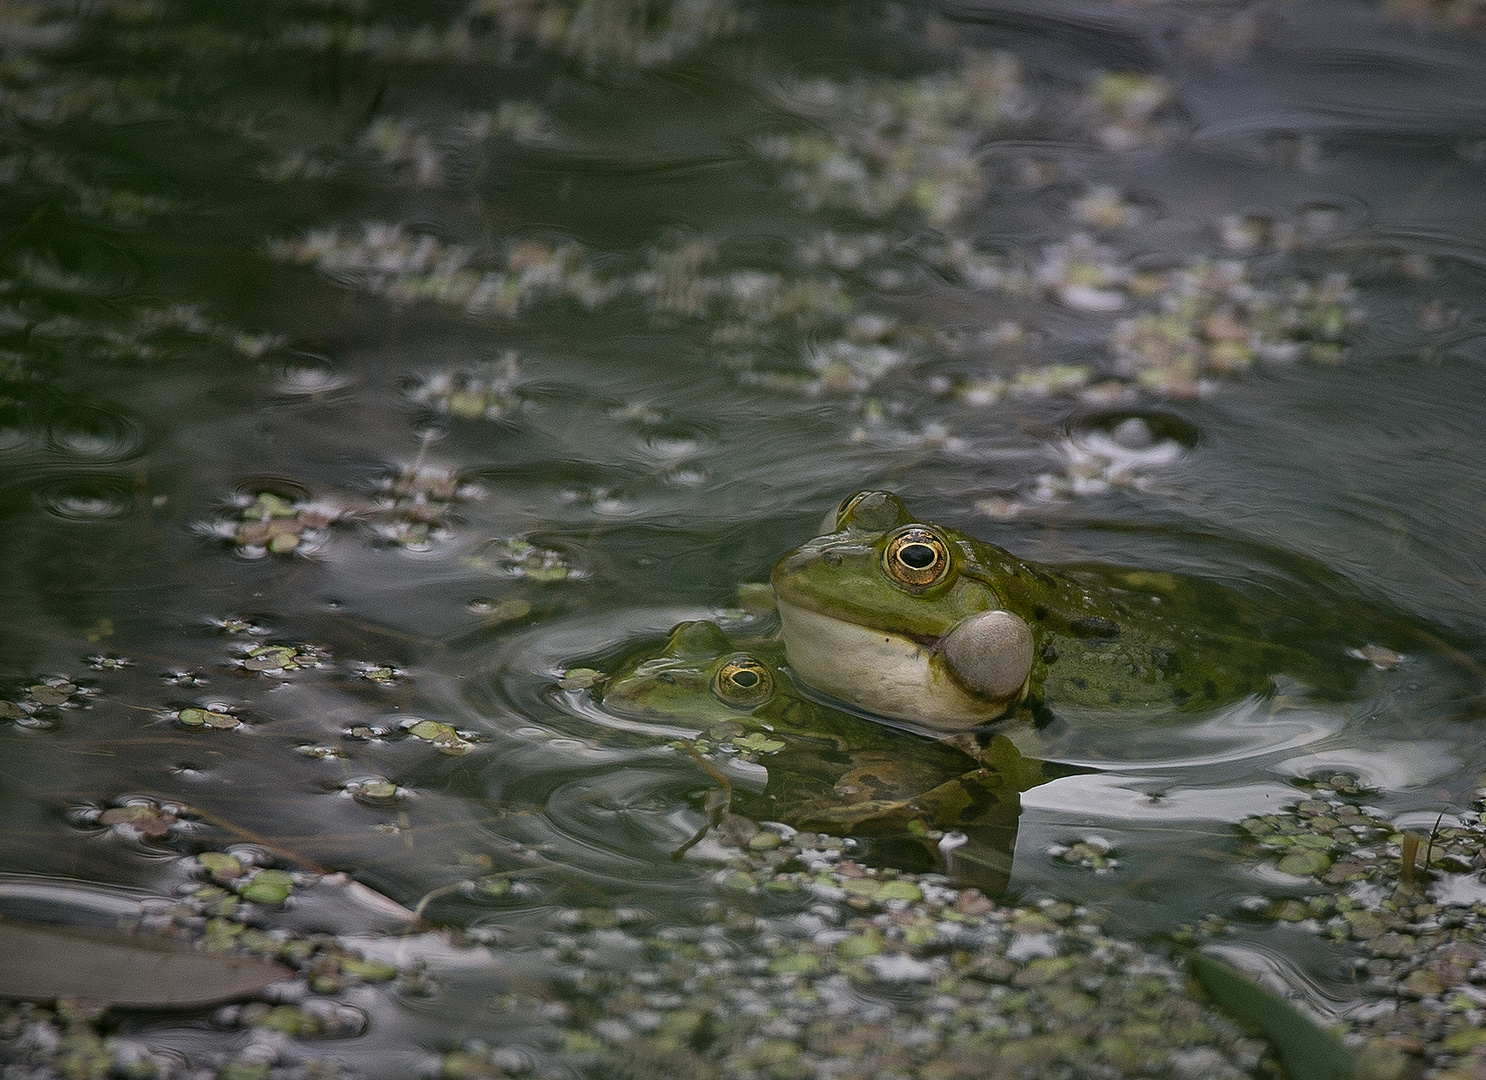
[(916, 557), (743, 681)]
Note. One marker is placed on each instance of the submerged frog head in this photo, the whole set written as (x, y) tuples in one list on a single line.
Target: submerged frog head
[(904, 618), (698, 676), (918, 622)]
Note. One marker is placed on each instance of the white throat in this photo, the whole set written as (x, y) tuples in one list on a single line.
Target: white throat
[(879, 671)]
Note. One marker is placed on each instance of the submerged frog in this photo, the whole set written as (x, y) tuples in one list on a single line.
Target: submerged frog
[(828, 770), (924, 624)]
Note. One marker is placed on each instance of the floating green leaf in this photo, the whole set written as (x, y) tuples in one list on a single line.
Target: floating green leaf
[(368, 970), (758, 743), (269, 887), (220, 865)]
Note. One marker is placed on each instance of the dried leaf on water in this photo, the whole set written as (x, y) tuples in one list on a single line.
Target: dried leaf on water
[(44, 962)]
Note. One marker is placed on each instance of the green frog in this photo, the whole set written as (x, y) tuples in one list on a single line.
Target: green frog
[(828, 770), (921, 623)]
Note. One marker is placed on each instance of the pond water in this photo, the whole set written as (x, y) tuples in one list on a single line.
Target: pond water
[(364, 365)]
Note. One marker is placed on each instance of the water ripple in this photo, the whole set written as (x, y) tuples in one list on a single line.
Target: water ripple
[(87, 499), (94, 433)]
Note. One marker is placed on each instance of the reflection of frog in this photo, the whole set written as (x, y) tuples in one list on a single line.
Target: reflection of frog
[(828, 770), (925, 624)]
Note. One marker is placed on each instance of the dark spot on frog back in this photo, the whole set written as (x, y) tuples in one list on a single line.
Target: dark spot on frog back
[(1094, 626)]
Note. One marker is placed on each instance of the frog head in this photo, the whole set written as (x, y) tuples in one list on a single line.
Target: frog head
[(698, 675), (904, 618)]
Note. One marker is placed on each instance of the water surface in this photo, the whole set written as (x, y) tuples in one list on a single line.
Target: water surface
[(535, 338)]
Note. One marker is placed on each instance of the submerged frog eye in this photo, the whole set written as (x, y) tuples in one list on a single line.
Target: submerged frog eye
[(742, 680), (916, 557)]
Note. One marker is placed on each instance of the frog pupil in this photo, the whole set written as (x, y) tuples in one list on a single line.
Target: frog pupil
[(746, 679), (918, 556)]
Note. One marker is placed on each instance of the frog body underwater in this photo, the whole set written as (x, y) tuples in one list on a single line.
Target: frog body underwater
[(921, 623)]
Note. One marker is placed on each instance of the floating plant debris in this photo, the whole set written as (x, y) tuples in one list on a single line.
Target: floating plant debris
[(488, 393), (36, 704), (279, 659), (519, 558), (269, 524), (213, 717), (444, 737), (879, 146)]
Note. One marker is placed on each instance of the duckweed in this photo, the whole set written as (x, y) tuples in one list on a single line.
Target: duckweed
[(278, 659), (444, 737), (883, 146), (1131, 106), (490, 393), (268, 887), (1409, 930), (214, 717), (139, 817), (270, 524), (519, 558)]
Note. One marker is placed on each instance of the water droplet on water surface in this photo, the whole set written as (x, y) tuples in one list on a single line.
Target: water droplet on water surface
[(94, 433), (303, 375), (91, 499)]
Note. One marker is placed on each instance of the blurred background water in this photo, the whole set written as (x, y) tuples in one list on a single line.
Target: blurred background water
[(447, 346)]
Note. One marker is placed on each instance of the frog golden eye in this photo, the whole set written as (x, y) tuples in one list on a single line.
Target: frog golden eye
[(916, 557), (743, 681)]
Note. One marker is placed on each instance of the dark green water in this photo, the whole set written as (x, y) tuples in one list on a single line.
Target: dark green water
[(553, 323)]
